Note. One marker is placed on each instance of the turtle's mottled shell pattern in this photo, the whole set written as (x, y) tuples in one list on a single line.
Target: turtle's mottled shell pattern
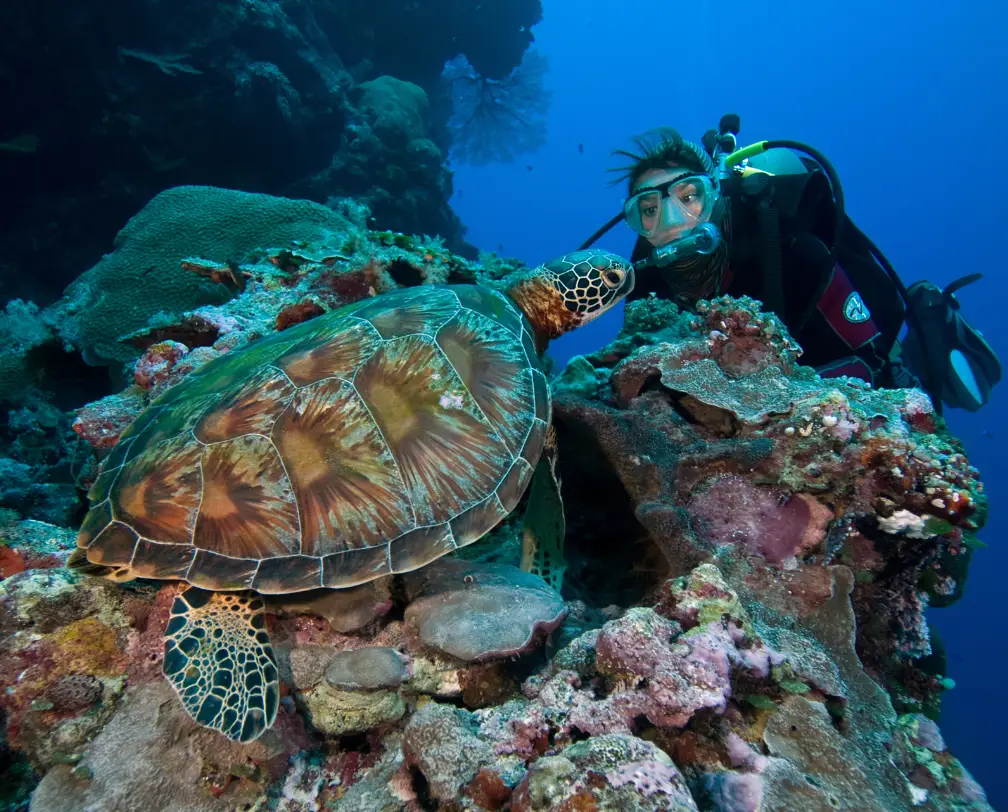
[(368, 441)]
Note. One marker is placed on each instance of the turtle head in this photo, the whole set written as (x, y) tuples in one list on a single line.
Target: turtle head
[(572, 290)]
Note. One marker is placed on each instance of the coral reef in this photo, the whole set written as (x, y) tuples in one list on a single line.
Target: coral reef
[(263, 96), (727, 449), (144, 276), (751, 550), (22, 330)]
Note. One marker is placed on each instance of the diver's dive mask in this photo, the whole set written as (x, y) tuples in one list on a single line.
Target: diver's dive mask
[(676, 215), (676, 206)]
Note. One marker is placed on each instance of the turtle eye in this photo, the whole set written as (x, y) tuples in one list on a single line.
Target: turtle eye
[(613, 277)]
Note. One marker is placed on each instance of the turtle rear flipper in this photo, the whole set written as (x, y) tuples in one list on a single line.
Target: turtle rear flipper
[(544, 525), (78, 562), (219, 660)]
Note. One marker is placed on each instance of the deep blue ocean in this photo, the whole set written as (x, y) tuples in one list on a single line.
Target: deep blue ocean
[(907, 101)]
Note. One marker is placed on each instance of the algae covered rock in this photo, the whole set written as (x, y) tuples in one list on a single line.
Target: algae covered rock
[(606, 772), (22, 330), (398, 110), (336, 713), (481, 612), (151, 756)]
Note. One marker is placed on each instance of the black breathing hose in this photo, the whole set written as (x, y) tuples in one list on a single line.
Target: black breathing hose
[(600, 233)]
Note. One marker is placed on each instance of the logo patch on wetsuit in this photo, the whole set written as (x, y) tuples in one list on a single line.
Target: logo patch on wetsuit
[(855, 310)]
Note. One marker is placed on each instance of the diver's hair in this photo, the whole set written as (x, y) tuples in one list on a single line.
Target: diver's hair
[(656, 149)]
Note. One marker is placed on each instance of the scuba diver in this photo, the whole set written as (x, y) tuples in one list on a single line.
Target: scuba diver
[(768, 221)]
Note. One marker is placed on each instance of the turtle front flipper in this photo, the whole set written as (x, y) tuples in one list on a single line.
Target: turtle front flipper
[(544, 526), (219, 660)]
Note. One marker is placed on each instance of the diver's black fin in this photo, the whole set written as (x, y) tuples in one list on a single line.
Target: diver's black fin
[(955, 360)]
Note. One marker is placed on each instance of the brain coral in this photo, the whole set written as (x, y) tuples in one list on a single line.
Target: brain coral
[(142, 276)]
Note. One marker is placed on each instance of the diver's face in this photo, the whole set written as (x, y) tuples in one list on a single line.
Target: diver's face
[(651, 213)]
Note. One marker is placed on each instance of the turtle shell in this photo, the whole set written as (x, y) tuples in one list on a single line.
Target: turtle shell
[(368, 441)]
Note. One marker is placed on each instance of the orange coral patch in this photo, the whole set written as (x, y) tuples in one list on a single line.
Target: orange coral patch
[(11, 563), (88, 646)]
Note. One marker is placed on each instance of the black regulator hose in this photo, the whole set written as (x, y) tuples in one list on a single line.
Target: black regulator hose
[(601, 232)]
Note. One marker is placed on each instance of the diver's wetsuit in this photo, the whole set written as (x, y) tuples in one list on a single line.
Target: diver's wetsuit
[(837, 338)]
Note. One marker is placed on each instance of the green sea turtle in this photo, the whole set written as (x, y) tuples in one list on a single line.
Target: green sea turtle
[(366, 442)]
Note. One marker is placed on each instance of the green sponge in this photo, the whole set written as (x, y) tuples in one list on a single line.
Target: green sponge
[(142, 276)]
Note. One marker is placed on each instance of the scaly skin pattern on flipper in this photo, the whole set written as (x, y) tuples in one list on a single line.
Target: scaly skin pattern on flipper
[(219, 660)]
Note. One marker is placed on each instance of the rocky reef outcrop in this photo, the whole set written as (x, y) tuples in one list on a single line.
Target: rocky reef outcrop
[(109, 104), (750, 552)]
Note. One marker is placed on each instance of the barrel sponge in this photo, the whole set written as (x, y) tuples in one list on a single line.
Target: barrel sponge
[(142, 276)]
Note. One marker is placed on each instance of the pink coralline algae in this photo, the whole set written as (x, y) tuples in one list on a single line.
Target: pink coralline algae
[(647, 778), (766, 521), (100, 423), (605, 772), (743, 755), (654, 676), (156, 364), (638, 667)]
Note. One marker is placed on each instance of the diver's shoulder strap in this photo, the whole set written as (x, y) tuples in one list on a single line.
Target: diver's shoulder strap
[(774, 199)]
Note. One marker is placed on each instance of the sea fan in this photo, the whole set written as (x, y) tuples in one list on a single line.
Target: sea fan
[(496, 120)]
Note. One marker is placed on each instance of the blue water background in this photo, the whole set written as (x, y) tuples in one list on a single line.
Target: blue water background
[(905, 98)]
